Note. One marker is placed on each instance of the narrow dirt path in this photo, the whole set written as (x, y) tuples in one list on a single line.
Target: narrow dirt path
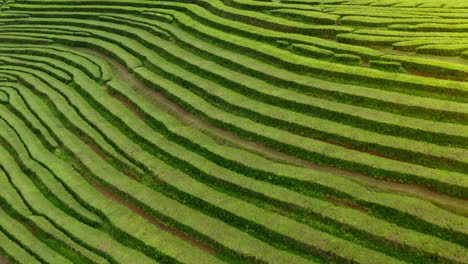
[(223, 137), (4, 260), (347, 204)]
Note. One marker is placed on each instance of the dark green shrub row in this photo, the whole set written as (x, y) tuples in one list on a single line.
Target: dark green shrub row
[(347, 59), (436, 27), (386, 65), (465, 54)]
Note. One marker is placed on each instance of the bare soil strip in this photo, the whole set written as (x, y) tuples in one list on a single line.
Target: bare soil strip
[(125, 102), (347, 204), (4, 260)]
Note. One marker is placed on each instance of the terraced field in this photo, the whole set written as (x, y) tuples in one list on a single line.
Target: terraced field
[(237, 131)]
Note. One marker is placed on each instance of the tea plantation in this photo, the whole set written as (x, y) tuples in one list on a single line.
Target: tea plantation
[(233, 131)]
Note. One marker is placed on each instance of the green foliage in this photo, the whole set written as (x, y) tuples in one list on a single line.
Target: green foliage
[(312, 51), (386, 65), (306, 16), (209, 155), (432, 67), (443, 49), (347, 59)]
